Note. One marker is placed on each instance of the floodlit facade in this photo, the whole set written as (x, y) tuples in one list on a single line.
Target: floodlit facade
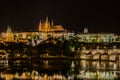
[(98, 37), (48, 29), (45, 30)]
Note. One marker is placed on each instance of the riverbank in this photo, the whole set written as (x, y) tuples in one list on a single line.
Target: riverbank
[(55, 58)]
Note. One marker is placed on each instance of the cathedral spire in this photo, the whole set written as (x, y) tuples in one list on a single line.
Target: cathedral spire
[(46, 19), (9, 29), (47, 25), (9, 34)]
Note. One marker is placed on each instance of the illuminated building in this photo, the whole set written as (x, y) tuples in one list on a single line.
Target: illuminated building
[(48, 29), (45, 29), (85, 30), (98, 37), (9, 35)]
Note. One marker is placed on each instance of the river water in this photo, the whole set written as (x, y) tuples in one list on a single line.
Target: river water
[(58, 68)]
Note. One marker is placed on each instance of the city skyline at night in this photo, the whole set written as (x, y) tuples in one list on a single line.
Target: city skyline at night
[(59, 40), (97, 16)]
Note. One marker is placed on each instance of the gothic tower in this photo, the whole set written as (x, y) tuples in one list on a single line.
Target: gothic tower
[(47, 25), (9, 34)]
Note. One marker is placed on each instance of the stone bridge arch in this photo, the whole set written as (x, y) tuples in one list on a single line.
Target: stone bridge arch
[(104, 56), (97, 55)]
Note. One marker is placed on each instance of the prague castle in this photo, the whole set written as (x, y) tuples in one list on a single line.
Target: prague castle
[(44, 29), (48, 29)]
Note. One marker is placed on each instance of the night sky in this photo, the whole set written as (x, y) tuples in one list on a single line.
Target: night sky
[(97, 15)]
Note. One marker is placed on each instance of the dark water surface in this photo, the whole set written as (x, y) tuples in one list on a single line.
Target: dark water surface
[(68, 69)]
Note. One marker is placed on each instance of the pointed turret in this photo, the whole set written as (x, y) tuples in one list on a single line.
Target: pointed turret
[(9, 29), (52, 24), (40, 26), (47, 25), (85, 30), (46, 21)]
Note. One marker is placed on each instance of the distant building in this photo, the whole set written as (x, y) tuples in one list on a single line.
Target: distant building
[(45, 29), (98, 37), (85, 30), (9, 35), (50, 29)]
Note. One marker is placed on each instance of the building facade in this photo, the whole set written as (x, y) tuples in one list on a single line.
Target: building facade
[(45, 29), (48, 29)]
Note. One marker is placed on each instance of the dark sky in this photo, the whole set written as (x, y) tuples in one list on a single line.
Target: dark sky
[(96, 15)]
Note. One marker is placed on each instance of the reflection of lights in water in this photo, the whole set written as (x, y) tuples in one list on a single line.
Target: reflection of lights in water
[(23, 76), (45, 62), (103, 65), (72, 64), (83, 63), (84, 69), (16, 75), (98, 65), (94, 63), (45, 77), (96, 75), (2, 75), (105, 75), (110, 64), (100, 74), (18, 62), (46, 65), (87, 75), (4, 63), (115, 66), (34, 75), (8, 77)]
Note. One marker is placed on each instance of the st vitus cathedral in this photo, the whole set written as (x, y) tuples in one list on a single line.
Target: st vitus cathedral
[(44, 29), (47, 27)]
